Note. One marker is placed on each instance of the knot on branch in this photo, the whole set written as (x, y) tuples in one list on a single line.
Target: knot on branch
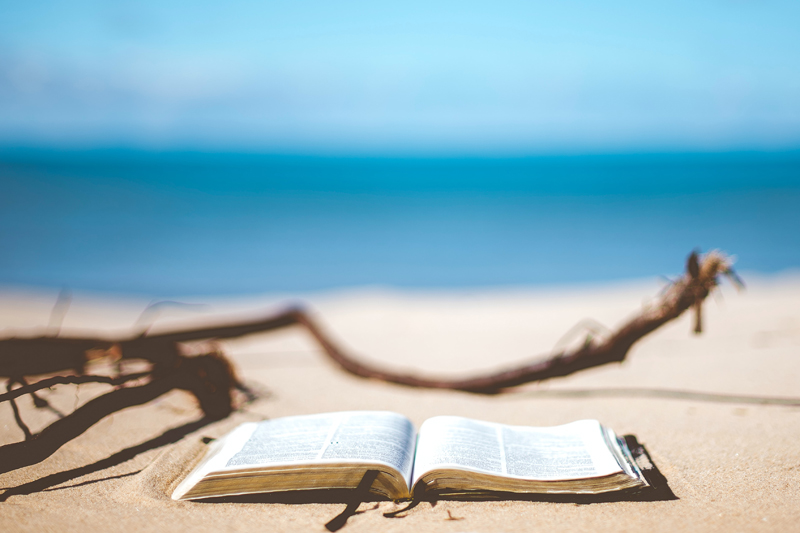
[(702, 277), (209, 377)]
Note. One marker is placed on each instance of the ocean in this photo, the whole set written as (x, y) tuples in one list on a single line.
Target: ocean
[(189, 223)]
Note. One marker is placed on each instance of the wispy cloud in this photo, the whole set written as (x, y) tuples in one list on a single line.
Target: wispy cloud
[(518, 77)]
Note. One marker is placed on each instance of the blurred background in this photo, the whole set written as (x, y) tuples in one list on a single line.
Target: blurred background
[(207, 148)]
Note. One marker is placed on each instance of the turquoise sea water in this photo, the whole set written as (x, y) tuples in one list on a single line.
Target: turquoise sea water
[(202, 224)]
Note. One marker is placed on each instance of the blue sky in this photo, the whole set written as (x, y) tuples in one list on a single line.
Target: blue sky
[(402, 78)]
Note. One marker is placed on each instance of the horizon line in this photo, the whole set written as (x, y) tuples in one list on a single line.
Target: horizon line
[(12, 150)]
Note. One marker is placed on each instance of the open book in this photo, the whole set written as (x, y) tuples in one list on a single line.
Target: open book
[(449, 456)]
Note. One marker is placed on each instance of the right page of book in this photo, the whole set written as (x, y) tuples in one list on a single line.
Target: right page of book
[(573, 451)]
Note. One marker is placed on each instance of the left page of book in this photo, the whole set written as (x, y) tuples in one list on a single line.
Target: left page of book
[(353, 437)]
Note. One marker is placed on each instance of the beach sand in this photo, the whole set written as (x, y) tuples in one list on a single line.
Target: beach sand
[(732, 463)]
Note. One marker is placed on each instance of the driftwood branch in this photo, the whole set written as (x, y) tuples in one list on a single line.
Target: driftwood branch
[(211, 379), (701, 277), (68, 380)]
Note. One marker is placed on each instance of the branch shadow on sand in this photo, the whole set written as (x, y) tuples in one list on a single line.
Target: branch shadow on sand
[(672, 394), (168, 437)]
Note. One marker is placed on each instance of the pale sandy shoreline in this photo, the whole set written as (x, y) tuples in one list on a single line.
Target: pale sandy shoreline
[(732, 465)]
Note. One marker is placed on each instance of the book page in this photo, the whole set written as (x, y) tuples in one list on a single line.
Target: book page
[(572, 451), (458, 442), (357, 436)]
